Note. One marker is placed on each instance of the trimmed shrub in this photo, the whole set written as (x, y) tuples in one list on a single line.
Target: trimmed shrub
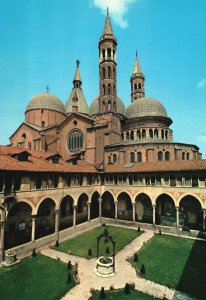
[(34, 253), (132, 285), (142, 270), (112, 288), (90, 252), (92, 291), (138, 229), (57, 244), (160, 232), (69, 277), (102, 294), (136, 258), (127, 289), (69, 265)]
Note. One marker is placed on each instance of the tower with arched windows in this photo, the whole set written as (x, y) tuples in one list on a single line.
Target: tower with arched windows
[(137, 81)]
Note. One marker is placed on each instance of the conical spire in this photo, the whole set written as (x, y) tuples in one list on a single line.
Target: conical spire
[(137, 68), (77, 76), (108, 25)]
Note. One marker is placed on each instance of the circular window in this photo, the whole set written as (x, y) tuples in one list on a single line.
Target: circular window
[(75, 141)]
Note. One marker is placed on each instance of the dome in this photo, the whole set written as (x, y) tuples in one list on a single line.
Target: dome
[(46, 101), (94, 108), (144, 107)]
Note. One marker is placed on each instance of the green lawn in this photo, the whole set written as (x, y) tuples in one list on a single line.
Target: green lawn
[(177, 263), (34, 278), (120, 295), (80, 244)]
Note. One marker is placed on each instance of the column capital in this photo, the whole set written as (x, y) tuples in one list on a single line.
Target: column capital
[(133, 203), (100, 200), (153, 205), (34, 216), (177, 207), (89, 204), (56, 211), (74, 206)]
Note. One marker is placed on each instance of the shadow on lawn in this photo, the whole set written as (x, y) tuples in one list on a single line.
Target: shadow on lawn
[(193, 278)]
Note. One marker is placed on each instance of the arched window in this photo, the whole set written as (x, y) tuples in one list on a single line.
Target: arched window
[(166, 134), (162, 134), (122, 135), (151, 133), (167, 156), (127, 136), (159, 156), (183, 156), (114, 90), (143, 134), (75, 141), (139, 85), (156, 134), (135, 86), (114, 106), (138, 134), (103, 53), (103, 87), (109, 88), (132, 157), (114, 158), (114, 73), (23, 136), (109, 160), (104, 72), (188, 156), (109, 72), (132, 135), (108, 53), (139, 157)]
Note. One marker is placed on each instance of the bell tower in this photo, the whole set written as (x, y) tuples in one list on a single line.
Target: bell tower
[(107, 69), (137, 81)]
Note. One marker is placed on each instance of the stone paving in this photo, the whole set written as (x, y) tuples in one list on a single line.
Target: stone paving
[(125, 273)]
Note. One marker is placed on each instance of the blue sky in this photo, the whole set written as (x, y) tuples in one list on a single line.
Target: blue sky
[(41, 40)]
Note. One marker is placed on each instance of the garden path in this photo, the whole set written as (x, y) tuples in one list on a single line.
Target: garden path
[(125, 273)]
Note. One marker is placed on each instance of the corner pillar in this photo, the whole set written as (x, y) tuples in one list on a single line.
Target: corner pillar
[(133, 211), (74, 215), (177, 217), (88, 212), (153, 215), (116, 209), (204, 220), (57, 223), (100, 210), (33, 227), (2, 225)]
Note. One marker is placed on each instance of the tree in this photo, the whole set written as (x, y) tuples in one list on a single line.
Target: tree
[(102, 294), (127, 289), (34, 253), (136, 258), (69, 277), (69, 265), (142, 270)]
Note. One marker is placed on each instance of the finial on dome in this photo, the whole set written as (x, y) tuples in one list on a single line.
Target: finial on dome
[(47, 89), (77, 62), (107, 10), (136, 53)]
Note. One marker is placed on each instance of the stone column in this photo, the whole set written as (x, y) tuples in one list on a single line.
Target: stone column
[(153, 215), (89, 212), (204, 219), (2, 241), (74, 215), (100, 210), (177, 217), (33, 227), (57, 223), (133, 211), (116, 209)]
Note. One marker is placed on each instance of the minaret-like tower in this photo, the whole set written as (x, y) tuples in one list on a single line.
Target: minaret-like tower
[(107, 69), (137, 81)]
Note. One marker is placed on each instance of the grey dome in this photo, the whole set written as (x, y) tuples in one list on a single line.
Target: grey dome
[(46, 101), (94, 108), (145, 107)]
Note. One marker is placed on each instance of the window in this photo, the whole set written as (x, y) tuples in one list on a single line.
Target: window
[(135, 86), (138, 134), (151, 134), (103, 53), (109, 88), (162, 134), (109, 105), (109, 53), (167, 156), (183, 156), (156, 134), (139, 86), (109, 160), (166, 134), (159, 155), (103, 73), (143, 134), (188, 156), (139, 157), (132, 157), (75, 141), (109, 72), (114, 158), (103, 87), (132, 135)]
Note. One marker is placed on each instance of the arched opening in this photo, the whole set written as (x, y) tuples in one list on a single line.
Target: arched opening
[(183, 155), (151, 134), (114, 158), (159, 155), (109, 72), (94, 208), (188, 156), (66, 213), (82, 213), (115, 107), (132, 157), (109, 89), (122, 135), (139, 157), (103, 53), (127, 135), (124, 207), (104, 72), (45, 220), (143, 211), (166, 134), (167, 156), (165, 211), (191, 213), (132, 135), (109, 159), (138, 134), (143, 134), (114, 91), (18, 225), (108, 206), (162, 134), (135, 86), (109, 53), (156, 134), (103, 88)]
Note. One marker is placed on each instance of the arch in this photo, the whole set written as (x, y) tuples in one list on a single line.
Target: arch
[(143, 134), (139, 86), (82, 209), (132, 135), (114, 90), (103, 89), (108, 206), (124, 210), (143, 208), (138, 134), (139, 157), (114, 158), (109, 72), (103, 53), (109, 88), (18, 225), (66, 212), (167, 155), (166, 134), (94, 209), (122, 136), (188, 156), (183, 155), (104, 72), (127, 135), (109, 159), (191, 212), (45, 220), (159, 156), (165, 210), (156, 135), (109, 52), (132, 157), (151, 133), (109, 105), (135, 86), (162, 134)]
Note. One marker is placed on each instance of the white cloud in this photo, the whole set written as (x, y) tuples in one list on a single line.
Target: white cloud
[(117, 9), (201, 83)]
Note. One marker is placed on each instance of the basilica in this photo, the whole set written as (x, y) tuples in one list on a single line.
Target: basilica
[(70, 166)]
